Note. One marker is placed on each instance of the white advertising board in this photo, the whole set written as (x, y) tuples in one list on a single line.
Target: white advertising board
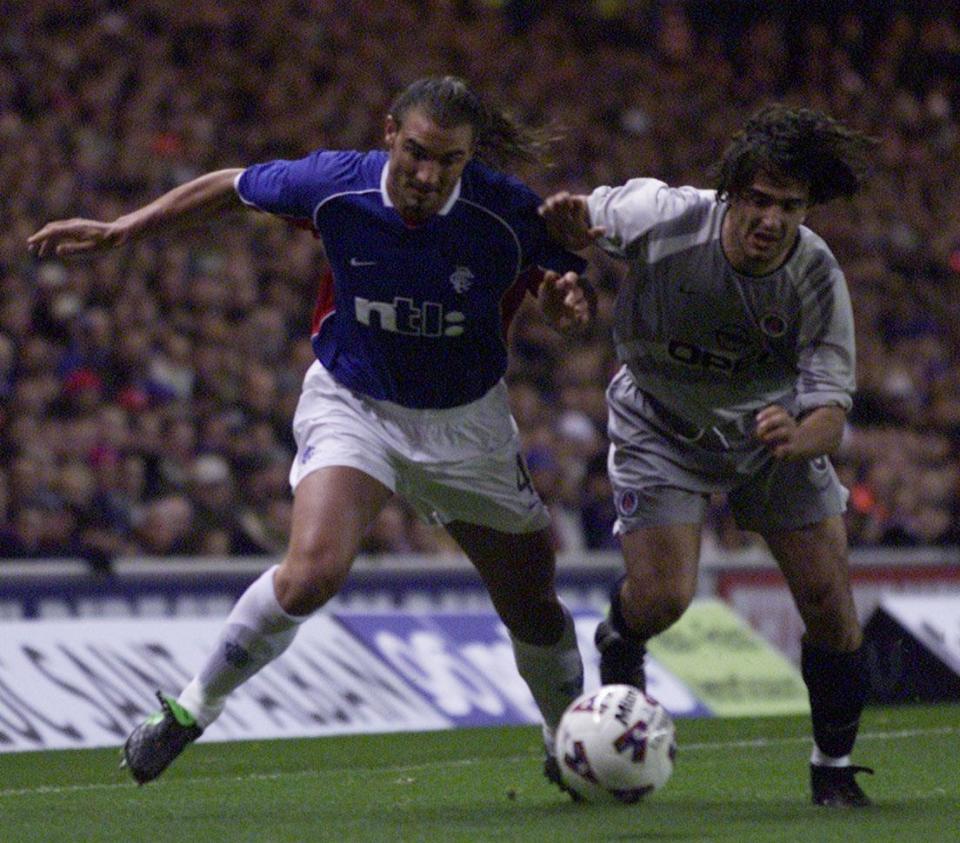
[(934, 619), (86, 683), (66, 684)]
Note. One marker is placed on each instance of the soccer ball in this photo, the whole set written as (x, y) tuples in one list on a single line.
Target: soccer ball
[(615, 744)]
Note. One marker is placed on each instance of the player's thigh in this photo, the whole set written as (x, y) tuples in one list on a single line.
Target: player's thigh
[(490, 507), (520, 566), (332, 508), (815, 564), (518, 570), (660, 512), (662, 564)]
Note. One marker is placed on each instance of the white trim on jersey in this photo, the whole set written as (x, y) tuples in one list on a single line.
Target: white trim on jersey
[(321, 323), (236, 187), (509, 228), (323, 202)]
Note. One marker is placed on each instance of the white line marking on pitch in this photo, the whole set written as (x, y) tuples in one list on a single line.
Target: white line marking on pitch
[(757, 743)]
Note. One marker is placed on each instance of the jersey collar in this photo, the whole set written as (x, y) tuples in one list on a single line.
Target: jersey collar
[(387, 203)]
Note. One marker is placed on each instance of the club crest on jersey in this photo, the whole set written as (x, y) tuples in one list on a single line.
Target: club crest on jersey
[(403, 316), (773, 324), (461, 279)]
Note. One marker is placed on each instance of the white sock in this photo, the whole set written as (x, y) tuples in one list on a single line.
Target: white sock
[(553, 673), (549, 739), (821, 760), (256, 631)]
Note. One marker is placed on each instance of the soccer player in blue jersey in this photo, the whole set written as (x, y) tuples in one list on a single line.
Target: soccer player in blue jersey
[(431, 251), (735, 331)]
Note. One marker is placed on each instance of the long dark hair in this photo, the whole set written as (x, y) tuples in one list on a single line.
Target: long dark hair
[(801, 144), (499, 138)]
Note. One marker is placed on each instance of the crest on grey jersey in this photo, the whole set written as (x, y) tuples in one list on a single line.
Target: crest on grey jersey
[(773, 324)]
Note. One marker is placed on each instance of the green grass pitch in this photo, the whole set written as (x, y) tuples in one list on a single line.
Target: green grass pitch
[(738, 780)]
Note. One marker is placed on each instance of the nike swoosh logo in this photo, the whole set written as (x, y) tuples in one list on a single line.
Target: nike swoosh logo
[(358, 262)]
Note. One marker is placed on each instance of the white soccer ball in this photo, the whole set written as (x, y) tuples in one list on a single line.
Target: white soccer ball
[(615, 744)]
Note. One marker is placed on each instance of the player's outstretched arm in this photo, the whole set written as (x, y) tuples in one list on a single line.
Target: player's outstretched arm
[(567, 218), (198, 201), (565, 301)]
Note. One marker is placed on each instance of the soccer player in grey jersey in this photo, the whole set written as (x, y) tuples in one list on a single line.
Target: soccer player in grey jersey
[(735, 332)]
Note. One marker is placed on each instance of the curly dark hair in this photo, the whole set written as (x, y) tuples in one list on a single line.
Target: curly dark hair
[(499, 138), (802, 144)]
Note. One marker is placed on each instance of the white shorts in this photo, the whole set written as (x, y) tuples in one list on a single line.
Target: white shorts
[(459, 464)]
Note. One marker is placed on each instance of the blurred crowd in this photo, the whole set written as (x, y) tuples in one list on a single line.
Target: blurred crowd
[(146, 398)]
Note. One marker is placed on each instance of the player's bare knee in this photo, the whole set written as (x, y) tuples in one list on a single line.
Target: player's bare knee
[(302, 589), (670, 609), (672, 594), (654, 610)]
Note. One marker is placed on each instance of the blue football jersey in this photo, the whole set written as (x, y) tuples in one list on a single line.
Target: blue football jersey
[(417, 315)]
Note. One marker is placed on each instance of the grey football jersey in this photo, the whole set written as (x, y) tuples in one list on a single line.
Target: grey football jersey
[(708, 343)]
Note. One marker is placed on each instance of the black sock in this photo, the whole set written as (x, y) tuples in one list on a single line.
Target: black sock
[(838, 684)]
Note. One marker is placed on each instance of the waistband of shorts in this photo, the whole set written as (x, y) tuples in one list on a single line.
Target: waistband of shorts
[(444, 415), (715, 438)]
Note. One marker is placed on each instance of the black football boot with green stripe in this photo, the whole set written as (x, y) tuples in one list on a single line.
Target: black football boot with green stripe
[(155, 743)]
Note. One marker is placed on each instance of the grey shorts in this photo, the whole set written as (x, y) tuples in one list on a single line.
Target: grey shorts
[(660, 478)]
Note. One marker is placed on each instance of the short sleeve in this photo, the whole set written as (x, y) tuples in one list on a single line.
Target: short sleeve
[(631, 210), (539, 249), (289, 188)]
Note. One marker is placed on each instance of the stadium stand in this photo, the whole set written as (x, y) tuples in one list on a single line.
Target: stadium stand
[(145, 399)]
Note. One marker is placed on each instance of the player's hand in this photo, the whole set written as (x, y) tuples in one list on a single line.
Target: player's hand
[(74, 237), (777, 429), (564, 302), (567, 218)]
